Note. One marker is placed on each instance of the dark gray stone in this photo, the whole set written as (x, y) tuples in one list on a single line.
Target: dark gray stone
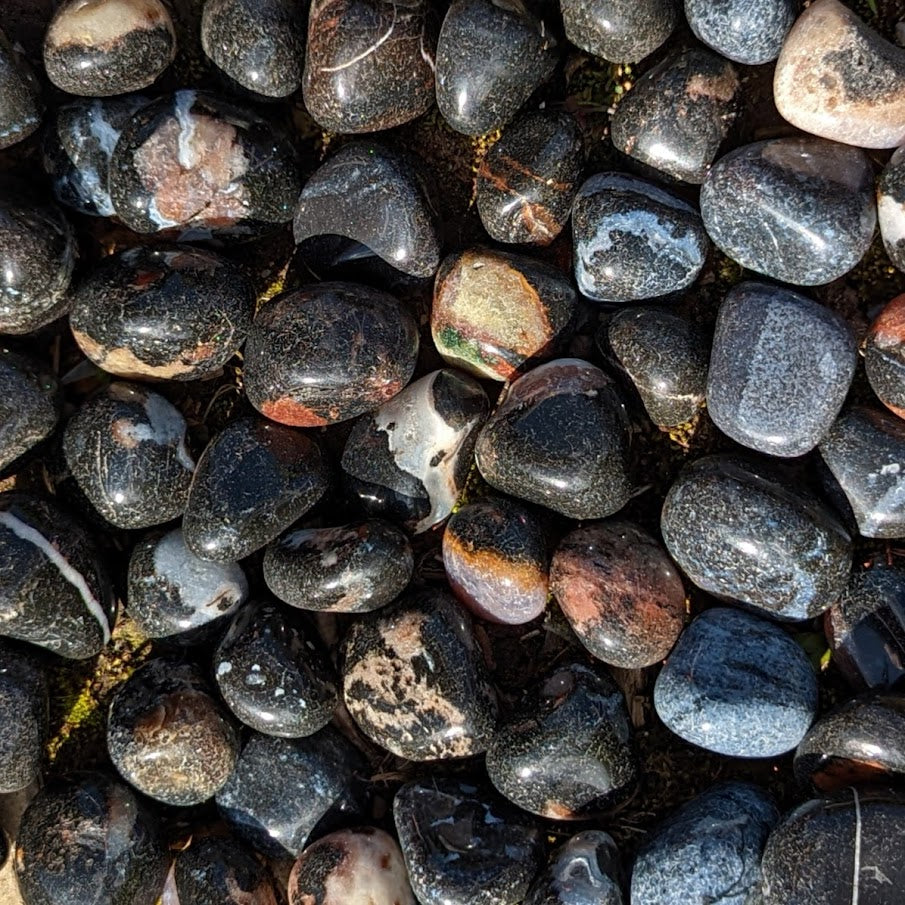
[(20, 96), (29, 405), (583, 871), (884, 356), (217, 870), (749, 33), (621, 31), (23, 715)]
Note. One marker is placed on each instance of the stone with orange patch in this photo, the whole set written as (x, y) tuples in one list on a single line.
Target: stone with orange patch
[(884, 356)]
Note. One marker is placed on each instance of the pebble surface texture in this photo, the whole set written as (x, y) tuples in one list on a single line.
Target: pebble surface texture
[(29, 405), (800, 210), (677, 114), (743, 532), (749, 33), (620, 31), (583, 871), (707, 851), (891, 208), (219, 871), (20, 96), (884, 356), (634, 240), (780, 369), (23, 715), (839, 79), (738, 685)]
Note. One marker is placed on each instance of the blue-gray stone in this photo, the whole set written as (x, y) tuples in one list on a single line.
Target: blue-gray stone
[(738, 685), (780, 369), (750, 33), (709, 850), (743, 532), (800, 210), (584, 871)]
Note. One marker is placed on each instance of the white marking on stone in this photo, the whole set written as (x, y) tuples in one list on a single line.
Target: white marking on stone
[(165, 426), (183, 109), (224, 668)]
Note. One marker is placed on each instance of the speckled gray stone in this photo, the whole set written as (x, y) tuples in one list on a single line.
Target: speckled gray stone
[(891, 208), (750, 33), (584, 871), (20, 96), (218, 870), (634, 240), (744, 532), (29, 405), (621, 31), (709, 850), (780, 369), (738, 685), (23, 715), (800, 210)]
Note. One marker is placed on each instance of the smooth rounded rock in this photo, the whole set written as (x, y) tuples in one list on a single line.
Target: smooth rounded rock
[(884, 356), (23, 715), (583, 871), (749, 33), (20, 96), (29, 405), (218, 870), (891, 208), (621, 31)]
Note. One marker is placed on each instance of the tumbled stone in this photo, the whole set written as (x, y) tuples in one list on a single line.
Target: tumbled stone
[(891, 208), (23, 715), (884, 356), (169, 736), (328, 352), (274, 673), (103, 47), (217, 870), (634, 240), (354, 568), (664, 356), (493, 312), (865, 452), (90, 839), (252, 482), (744, 532), (800, 210), (369, 64), (839, 79), (780, 369), (747, 33), (620, 592), (408, 461), (20, 96), (583, 871), (528, 179), (709, 850), (282, 789), (559, 437), (495, 558), (841, 849), (175, 596), (464, 845), (126, 450), (678, 114), (166, 313), (54, 592), (621, 31), (738, 685), (415, 680), (29, 405)]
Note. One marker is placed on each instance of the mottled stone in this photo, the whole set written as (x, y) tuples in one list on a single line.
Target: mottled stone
[(175, 596), (621, 31), (166, 313), (465, 845), (54, 592), (566, 750), (749, 33), (377, 196), (743, 531), (190, 160), (218, 870), (20, 96), (23, 715), (252, 482), (259, 44), (29, 405), (328, 352), (351, 867), (415, 680), (37, 256), (839, 79), (583, 871), (620, 592), (559, 437), (495, 557), (634, 240), (884, 356), (282, 789), (780, 369), (891, 208), (528, 179), (842, 849), (369, 64), (865, 451), (103, 47), (275, 674), (709, 850), (126, 450), (677, 114), (409, 460), (89, 839), (800, 210), (738, 685), (664, 356), (354, 568)]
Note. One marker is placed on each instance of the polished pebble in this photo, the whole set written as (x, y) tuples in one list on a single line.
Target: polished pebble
[(24, 716), (20, 96), (29, 405), (620, 31), (891, 208), (584, 870), (217, 870), (884, 356), (749, 33)]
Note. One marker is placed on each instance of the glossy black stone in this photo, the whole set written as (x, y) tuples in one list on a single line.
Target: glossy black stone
[(747, 33), (166, 313), (621, 31), (274, 673), (55, 593), (583, 871), (560, 438), (464, 845), (126, 450), (353, 568), (29, 405), (217, 870), (252, 482), (678, 114), (23, 715), (376, 196), (20, 96)]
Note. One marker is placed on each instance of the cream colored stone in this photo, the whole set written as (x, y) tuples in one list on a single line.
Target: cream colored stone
[(100, 23)]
